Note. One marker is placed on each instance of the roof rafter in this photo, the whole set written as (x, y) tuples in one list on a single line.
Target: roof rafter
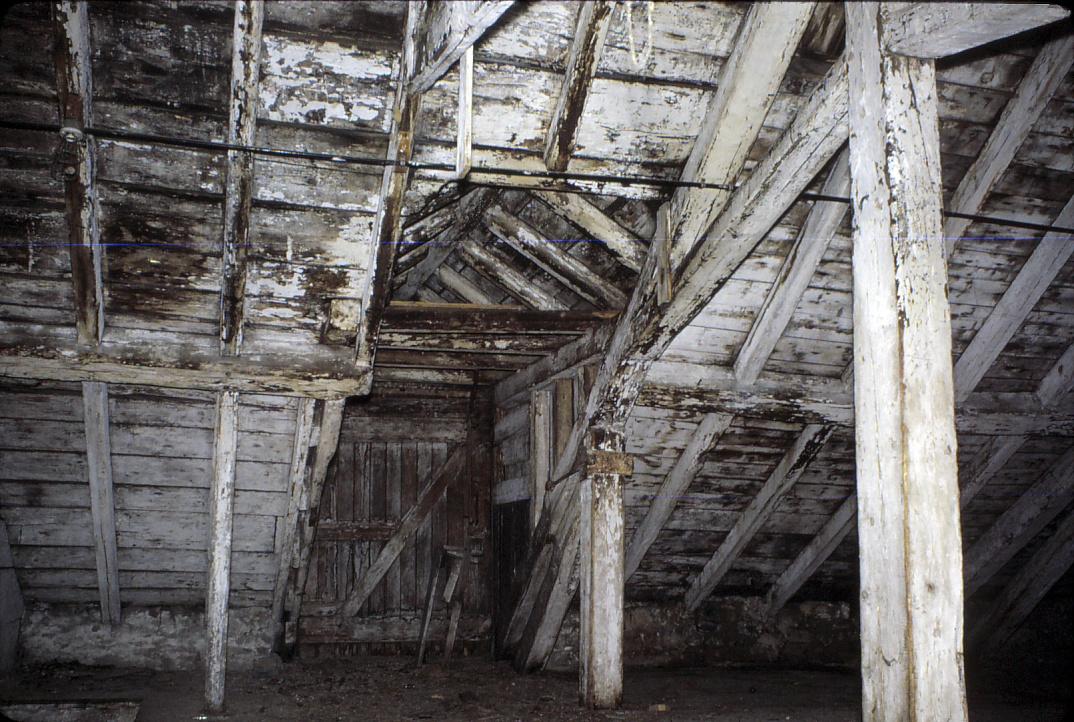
[(493, 266), (454, 27), (627, 247), (936, 30)]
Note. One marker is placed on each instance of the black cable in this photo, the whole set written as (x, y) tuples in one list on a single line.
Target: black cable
[(223, 147)]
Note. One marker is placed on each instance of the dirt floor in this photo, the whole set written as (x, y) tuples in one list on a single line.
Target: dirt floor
[(390, 688)]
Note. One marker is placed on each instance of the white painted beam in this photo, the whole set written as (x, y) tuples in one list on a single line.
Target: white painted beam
[(582, 280), (1036, 275), (1013, 127), (779, 482), (453, 27), (464, 119), (622, 242), (798, 268), (461, 286), (239, 178), (907, 474), (591, 28), (221, 507), (74, 91), (749, 80), (936, 30), (676, 483), (540, 451), (1017, 526), (102, 504)]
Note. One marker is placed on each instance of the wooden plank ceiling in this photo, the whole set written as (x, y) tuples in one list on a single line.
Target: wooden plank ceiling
[(495, 270)]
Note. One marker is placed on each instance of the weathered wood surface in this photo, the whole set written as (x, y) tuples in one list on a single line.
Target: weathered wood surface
[(483, 318), (221, 514), (624, 243), (11, 605), (590, 31), (930, 30), (102, 505), (907, 474), (453, 28)]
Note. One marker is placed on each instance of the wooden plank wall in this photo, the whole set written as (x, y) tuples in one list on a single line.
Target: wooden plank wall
[(161, 457), (389, 448)]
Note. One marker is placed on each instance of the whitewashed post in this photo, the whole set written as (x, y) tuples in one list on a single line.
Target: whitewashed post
[(601, 571), (221, 498), (907, 476)]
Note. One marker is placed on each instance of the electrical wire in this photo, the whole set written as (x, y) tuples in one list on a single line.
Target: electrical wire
[(596, 178)]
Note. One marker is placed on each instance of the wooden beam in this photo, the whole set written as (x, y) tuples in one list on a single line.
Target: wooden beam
[(323, 373), (505, 343), (1038, 272), (907, 474), (329, 423), (749, 81), (779, 482), (239, 178), (798, 268), (464, 131), (572, 272), (624, 244), (454, 27), (540, 451), (388, 223), (514, 389), (936, 30), (1026, 588), (491, 319), (1059, 380), (493, 266), (461, 286), (11, 606), (461, 360), (590, 30), (601, 578), (430, 494), (218, 586), (102, 504), (1017, 526), (676, 483), (1016, 121), (815, 553), (74, 91), (988, 462), (297, 492), (471, 207)]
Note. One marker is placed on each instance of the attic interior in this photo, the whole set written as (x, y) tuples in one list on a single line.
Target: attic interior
[(501, 360)]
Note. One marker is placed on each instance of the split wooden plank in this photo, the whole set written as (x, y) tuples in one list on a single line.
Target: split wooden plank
[(1013, 127), (601, 573), (1026, 588), (557, 262), (676, 482), (815, 553), (1038, 272), (624, 244), (751, 76), (461, 286), (428, 497), (471, 207), (454, 27), (328, 426), (1017, 526), (464, 131), (239, 179), (74, 91), (907, 473), (820, 227), (11, 605), (218, 585), (297, 491), (936, 30), (388, 223), (779, 482), (590, 31), (513, 281), (102, 504)]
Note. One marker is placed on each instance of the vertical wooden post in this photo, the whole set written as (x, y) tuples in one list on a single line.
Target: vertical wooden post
[(601, 571), (907, 477), (221, 498), (540, 451), (102, 504)]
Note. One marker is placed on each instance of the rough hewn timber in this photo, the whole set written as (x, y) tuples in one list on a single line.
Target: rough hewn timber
[(102, 505), (907, 474)]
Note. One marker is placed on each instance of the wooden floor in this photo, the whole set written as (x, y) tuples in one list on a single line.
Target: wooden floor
[(389, 688)]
